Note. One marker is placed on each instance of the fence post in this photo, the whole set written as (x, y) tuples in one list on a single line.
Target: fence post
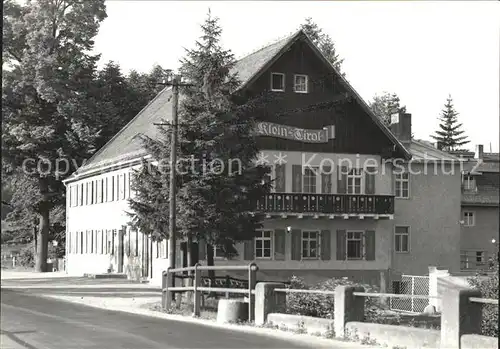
[(252, 280), (348, 308), (459, 316), (196, 293), (164, 289), (228, 285), (168, 294)]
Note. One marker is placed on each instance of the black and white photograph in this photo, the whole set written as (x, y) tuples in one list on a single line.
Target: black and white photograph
[(250, 174)]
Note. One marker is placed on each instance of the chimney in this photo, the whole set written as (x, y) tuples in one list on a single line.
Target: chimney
[(479, 151), (401, 127), (405, 127)]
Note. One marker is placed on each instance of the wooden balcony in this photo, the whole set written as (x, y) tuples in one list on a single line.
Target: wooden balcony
[(327, 204)]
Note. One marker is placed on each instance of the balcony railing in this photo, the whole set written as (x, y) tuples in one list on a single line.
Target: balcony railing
[(327, 203)]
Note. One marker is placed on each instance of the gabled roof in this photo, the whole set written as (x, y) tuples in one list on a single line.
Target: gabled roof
[(423, 151), (126, 144)]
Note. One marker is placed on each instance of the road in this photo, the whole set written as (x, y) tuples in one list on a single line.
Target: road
[(32, 322)]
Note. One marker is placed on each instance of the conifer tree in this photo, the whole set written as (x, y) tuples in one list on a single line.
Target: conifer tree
[(449, 136), (324, 42), (218, 180)]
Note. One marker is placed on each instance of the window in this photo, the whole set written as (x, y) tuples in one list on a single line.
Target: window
[(77, 195), (354, 243), (95, 191), (264, 244), (99, 191), (111, 188), (309, 181), (354, 181), (300, 83), (277, 82), (402, 185), (469, 182), (88, 189), (92, 189), (401, 239), (124, 184), (80, 188), (480, 257), (310, 244), (469, 220)]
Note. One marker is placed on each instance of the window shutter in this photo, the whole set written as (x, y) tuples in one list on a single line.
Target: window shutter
[(248, 253), (370, 245), (280, 178), (296, 245), (325, 245), (342, 180), (297, 178), (370, 180), (341, 242), (279, 244), (326, 180)]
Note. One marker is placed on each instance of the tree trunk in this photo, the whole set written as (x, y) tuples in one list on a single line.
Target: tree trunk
[(210, 262), (43, 228)]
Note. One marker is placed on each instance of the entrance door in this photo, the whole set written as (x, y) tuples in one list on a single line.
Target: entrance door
[(121, 248)]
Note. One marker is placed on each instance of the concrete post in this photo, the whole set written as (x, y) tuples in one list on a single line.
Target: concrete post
[(434, 275), (252, 281), (348, 307), (459, 316), (267, 301), (196, 293)]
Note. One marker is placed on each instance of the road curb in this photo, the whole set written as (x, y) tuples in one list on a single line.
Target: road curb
[(310, 340)]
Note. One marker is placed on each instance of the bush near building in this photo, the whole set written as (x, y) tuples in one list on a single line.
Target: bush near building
[(323, 306), (489, 289)]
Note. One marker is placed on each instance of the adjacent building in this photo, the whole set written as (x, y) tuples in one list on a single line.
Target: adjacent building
[(350, 196), (479, 234)]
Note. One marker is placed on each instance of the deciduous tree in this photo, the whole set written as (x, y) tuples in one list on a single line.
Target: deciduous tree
[(48, 70), (386, 105)]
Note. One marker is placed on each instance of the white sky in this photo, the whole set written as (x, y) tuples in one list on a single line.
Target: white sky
[(423, 51)]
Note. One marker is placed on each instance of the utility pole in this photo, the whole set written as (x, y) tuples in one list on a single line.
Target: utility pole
[(175, 82), (173, 170)]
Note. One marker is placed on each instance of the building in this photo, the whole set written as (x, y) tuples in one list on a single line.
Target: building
[(381, 206), (479, 234)]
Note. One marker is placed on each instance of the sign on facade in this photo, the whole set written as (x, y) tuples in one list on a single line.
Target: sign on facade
[(295, 133)]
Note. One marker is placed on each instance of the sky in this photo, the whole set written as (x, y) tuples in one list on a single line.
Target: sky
[(423, 50)]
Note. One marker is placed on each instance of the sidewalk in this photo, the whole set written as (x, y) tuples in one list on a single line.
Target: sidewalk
[(138, 299), (9, 274)]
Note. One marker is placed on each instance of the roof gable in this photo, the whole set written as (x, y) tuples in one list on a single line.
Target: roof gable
[(281, 47), (126, 144)]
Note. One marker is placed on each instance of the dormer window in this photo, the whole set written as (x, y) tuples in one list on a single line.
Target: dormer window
[(300, 83), (469, 182), (278, 82)]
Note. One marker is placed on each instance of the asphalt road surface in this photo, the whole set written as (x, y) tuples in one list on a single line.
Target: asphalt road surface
[(32, 322)]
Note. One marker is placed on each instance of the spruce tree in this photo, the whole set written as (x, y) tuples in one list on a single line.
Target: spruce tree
[(324, 42), (449, 136), (218, 181)]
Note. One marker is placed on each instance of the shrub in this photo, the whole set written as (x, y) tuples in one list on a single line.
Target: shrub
[(26, 257), (322, 306), (489, 289)]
